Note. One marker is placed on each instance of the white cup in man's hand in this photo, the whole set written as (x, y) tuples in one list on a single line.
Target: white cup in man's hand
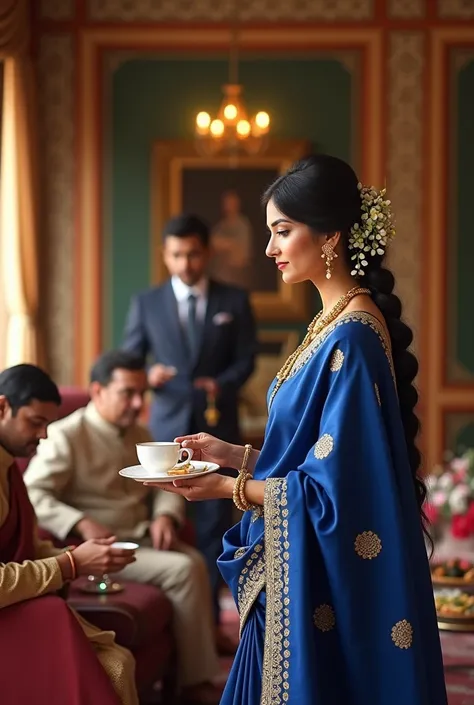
[(125, 546), (157, 458)]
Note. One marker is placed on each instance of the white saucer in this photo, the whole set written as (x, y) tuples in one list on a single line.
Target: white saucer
[(138, 473)]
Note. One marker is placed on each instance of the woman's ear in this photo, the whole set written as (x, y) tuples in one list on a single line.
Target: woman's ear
[(333, 239), (4, 406)]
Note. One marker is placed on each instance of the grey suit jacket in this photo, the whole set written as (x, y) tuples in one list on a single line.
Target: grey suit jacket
[(226, 353)]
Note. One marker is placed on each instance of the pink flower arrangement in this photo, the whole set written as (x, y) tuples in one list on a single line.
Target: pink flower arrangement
[(451, 495)]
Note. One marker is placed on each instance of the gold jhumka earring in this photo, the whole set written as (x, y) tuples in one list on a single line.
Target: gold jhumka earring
[(328, 255)]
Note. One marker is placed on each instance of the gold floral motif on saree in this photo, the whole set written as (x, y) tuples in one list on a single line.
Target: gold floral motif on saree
[(276, 653), (251, 582), (324, 447), (240, 552), (324, 618), (367, 545), (402, 634), (257, 513), (337, 361)]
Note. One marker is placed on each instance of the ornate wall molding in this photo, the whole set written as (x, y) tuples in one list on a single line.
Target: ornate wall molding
[(56, 95), (406, 9), (456, 9), (58, 9), (404, 168), (221, 10)]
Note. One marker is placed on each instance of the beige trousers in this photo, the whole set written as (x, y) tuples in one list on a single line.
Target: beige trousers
[(182, 575)]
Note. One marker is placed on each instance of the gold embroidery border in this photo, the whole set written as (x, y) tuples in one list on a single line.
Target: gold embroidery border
[(359, 316), (276, 652), (251, 582)]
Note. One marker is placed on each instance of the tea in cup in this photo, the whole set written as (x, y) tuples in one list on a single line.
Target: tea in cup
[(159, 457)]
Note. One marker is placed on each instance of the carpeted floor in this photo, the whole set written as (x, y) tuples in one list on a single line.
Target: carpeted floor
[(458, 651)]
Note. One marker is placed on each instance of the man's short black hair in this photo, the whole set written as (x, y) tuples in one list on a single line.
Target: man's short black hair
[(104, 367), (185, 225), (21, 384)]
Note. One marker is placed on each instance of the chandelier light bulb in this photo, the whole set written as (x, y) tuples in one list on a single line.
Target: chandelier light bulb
[(230, 130), (262, 120), (230, 112), (217, 128), (203, 120), (243, 128)]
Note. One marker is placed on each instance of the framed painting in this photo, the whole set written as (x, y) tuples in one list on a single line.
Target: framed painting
[(228, 197), (274, 347)]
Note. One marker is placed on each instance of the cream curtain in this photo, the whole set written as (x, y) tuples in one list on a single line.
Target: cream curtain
[(18, 188)]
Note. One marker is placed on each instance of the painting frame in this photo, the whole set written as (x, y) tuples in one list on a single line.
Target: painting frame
[(169, 159)]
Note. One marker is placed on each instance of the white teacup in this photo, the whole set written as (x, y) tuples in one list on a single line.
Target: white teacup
[(158, 458), (125, 545)]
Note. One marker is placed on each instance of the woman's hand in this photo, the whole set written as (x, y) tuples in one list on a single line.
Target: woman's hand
[(212, 450), (195, 489)]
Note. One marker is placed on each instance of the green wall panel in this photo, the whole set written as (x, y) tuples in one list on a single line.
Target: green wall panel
[(462, 199), (157, 99)]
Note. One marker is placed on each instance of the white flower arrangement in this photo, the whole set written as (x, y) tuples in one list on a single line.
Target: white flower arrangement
[(376, 230)]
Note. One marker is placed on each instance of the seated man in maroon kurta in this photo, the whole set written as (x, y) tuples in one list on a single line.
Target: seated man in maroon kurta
[(48, 651)]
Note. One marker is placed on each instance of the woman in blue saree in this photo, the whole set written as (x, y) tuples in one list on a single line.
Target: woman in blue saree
[(328, 565)]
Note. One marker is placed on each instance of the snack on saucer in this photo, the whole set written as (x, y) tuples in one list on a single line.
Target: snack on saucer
[(185, 469), (181, 469)]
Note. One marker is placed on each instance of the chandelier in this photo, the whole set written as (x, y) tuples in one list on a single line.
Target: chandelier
[(232, 131)]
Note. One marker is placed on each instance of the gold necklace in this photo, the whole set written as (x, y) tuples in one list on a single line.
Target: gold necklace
[(317, 325)]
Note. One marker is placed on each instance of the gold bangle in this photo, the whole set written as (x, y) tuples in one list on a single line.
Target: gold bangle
[(236, 493), (73, 564), (246, 458), (243, 499)]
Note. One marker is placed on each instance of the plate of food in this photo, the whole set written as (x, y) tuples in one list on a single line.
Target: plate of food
[(194, 468), (454, 608), (455, 572)]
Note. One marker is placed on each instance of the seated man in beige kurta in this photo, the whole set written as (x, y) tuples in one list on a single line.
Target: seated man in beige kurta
[(43, 642), (74, 485)]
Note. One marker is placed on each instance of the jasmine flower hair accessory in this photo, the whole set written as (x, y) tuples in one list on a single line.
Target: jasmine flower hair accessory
[(375, 231)]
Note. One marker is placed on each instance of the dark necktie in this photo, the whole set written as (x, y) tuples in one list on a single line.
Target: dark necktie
[(193, 330)]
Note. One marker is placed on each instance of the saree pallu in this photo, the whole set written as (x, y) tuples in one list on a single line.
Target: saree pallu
[(332, 582)]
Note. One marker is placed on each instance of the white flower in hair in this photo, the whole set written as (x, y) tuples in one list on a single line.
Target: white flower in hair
[(375, 231)]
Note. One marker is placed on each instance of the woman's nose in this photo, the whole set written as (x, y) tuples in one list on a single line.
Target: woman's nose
[(271, 249)]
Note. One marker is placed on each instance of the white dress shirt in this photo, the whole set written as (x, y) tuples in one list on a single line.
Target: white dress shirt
[(182, 293)]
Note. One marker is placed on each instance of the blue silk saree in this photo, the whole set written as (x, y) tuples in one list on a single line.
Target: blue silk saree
[(332, 579)]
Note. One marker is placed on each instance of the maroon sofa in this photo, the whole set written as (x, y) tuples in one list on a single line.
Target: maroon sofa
[(140, 616)]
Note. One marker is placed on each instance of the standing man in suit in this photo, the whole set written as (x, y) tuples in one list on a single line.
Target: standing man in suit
[(199, 336)]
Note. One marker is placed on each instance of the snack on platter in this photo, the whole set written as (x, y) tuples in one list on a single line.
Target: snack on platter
[(455, 571), (454, 604), (186, 469)]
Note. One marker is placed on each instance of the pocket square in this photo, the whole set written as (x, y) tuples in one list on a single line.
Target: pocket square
[(221, 318)]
